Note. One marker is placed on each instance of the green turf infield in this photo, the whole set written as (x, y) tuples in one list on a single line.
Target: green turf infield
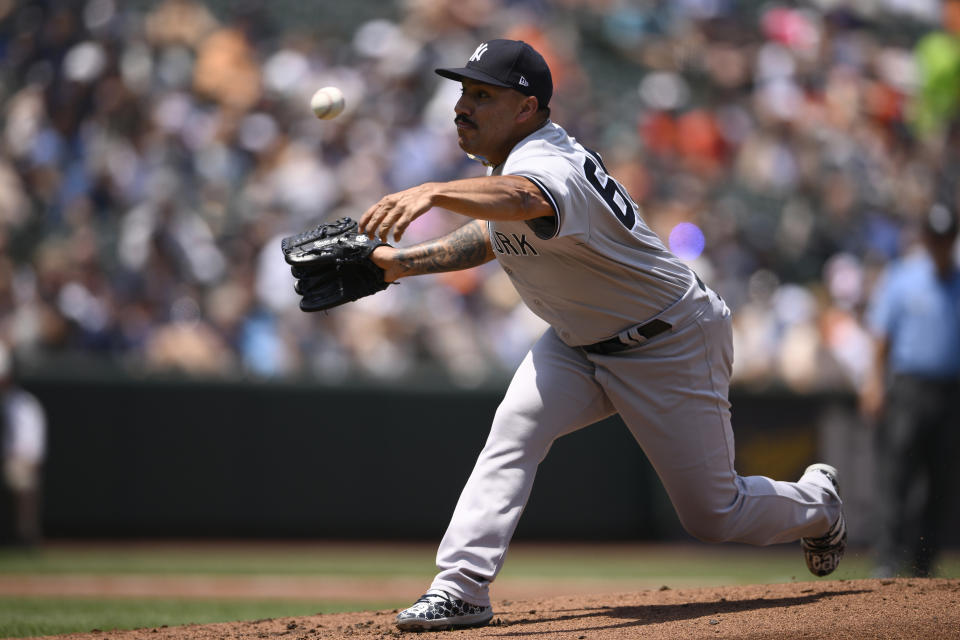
[(633, 567)]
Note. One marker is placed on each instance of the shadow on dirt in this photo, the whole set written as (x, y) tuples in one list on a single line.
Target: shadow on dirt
[(635, 616)]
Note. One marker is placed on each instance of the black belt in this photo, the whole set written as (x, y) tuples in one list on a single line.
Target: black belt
[(653, 328)]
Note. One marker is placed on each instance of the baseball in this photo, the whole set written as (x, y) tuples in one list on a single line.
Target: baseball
[(327, 103)]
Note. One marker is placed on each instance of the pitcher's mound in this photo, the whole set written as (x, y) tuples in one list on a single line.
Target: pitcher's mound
[(832, 610)]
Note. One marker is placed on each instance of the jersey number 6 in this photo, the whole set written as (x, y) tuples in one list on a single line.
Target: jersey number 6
[(623, 208)]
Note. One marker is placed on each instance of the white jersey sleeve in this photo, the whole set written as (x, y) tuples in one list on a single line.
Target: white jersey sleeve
[(559, 180)]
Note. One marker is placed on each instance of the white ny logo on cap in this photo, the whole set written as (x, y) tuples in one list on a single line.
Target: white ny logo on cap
[(478, 53)]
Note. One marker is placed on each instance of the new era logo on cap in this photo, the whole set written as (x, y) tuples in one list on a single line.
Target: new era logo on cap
[(507, 63)]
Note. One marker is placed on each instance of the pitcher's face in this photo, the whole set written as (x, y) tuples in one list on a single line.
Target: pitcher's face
[(489, 119)]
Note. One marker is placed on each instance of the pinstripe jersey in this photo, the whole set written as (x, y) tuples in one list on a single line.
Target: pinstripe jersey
[(595, 268)]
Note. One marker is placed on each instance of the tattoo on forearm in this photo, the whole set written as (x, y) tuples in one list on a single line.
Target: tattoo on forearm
[(463, 248)]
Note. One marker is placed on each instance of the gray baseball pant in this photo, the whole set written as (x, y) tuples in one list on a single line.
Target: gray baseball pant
[(672, 394)]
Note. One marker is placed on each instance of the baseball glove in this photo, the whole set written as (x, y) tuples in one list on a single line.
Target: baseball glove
[(332, 265)]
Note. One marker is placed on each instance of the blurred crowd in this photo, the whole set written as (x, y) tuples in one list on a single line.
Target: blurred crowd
[(154, 154)]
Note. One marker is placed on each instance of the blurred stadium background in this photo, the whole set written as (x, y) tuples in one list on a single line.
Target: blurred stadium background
[(153, 153)]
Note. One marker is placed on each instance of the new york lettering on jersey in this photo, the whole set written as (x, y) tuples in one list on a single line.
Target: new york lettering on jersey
[(514, 244)]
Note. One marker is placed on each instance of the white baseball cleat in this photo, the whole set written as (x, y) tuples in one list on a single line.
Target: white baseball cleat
[(438, 610), (823, 554)]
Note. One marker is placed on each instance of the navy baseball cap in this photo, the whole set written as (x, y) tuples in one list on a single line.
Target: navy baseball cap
[(507, 63)]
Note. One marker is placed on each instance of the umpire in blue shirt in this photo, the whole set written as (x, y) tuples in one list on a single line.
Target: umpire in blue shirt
[(913, 396)]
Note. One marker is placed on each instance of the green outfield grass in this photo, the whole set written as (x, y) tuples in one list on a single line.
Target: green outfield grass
[(636, 566), (21, 617)]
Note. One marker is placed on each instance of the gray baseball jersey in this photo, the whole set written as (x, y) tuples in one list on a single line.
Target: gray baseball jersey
[(596, 268)]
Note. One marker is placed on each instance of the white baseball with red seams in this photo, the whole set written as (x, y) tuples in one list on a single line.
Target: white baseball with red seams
[(327, 103)]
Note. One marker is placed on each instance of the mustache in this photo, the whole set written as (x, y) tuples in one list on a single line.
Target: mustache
[(464, 120)]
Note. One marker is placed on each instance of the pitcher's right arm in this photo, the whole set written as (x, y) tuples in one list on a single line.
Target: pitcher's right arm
[(463, 248)]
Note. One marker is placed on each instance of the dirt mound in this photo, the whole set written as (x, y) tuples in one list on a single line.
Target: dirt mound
[(834, 610)]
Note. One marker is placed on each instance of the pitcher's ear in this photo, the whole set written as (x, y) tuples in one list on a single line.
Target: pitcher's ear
[(528, 107)]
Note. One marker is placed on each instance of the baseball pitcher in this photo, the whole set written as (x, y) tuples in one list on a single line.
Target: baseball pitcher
[(633, 331)]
